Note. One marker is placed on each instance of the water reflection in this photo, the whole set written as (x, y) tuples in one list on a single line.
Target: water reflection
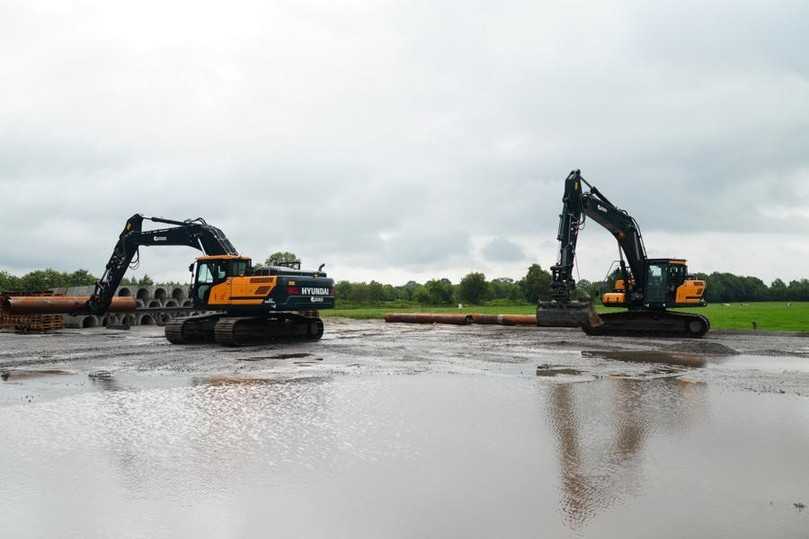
[(684, 359), (601, 448)]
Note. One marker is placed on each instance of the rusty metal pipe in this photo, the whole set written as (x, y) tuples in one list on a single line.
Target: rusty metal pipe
[(517, 319), (429, 318), (478, 318), (62, 305)]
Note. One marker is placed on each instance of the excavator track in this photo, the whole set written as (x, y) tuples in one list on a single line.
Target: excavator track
[(650, 324), (192, 330), (244, 330)]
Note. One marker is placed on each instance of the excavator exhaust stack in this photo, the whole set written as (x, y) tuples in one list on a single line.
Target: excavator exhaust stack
[(571, 314)]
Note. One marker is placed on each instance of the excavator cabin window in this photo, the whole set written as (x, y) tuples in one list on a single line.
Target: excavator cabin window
[(214, 271)]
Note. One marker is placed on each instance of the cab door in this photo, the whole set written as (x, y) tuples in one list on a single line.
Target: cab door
[(656, 284), (212, 286)]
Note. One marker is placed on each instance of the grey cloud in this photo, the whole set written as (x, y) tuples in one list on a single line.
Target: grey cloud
[(502, 250), (390, 135)]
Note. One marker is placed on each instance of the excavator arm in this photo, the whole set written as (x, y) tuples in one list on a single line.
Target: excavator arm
[(194, 233)]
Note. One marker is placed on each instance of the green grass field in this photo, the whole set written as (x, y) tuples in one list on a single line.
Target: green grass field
[(768, 315)]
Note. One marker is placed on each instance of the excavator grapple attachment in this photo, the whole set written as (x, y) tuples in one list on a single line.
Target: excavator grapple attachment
[(571, 314)]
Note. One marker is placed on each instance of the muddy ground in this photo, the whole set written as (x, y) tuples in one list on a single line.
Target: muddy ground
[(405, 430)]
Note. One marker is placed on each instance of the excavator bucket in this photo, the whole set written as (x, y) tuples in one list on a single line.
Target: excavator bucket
[(573, 314)]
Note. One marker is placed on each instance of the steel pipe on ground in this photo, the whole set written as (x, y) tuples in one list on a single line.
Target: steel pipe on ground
[(429, 318), (61, 304), (478, 318), (517, 319)]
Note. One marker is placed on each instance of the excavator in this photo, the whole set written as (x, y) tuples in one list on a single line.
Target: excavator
[(645, 287), (250, 304)]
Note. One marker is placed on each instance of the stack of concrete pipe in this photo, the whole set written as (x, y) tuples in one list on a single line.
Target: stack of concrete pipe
[(154, 304)]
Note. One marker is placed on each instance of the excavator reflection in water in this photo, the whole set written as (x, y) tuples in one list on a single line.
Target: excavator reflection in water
[(597, 470)]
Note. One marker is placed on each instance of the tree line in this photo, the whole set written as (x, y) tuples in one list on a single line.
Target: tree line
[(39, 280), (473, 289)]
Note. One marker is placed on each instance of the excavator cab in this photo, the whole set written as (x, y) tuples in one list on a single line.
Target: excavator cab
[(213, 270), (667, 284)]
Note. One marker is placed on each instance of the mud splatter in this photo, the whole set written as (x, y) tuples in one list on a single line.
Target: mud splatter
[(648, 356), (555, 370), (276, 356), (25, 374)]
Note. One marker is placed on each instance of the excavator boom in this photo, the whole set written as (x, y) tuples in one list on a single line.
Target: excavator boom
[(194, 233)]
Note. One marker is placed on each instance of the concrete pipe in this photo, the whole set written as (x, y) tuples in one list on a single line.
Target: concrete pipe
[(171, 303), (129, 320), (188, 303), (160, 293), (155, 304), (124, 291), (143, 294), (73, 321), (140, 304), (90, 321), (179, 294), (162, 319), (146, 320)]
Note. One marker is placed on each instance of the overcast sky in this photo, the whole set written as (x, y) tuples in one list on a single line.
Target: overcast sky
[(405, 140)]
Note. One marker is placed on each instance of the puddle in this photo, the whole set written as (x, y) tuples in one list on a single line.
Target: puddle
[(527, 458)]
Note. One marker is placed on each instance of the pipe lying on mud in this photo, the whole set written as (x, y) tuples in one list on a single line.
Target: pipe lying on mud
[(463, 319), (62, 304), (517, 319), (478, 318), (505, 319), (429, 318)]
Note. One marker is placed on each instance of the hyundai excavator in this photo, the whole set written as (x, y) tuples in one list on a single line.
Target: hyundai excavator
[(646, 287), (251, 304)]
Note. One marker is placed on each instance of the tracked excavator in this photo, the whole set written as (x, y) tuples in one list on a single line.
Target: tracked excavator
[(646, 288), (250, 305)]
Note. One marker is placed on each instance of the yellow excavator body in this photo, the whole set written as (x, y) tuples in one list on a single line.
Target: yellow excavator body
[(688, 293)]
